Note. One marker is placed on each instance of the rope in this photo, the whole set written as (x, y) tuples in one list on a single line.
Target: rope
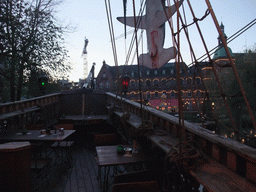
[(135, 31), (111, 30), (230, 39), (233, 66), (174, 40), (185, 26), (133, 37), (179, 161)]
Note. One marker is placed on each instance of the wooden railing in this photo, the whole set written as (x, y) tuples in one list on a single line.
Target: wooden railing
[(19, 113), (28, 103), (236, 157)]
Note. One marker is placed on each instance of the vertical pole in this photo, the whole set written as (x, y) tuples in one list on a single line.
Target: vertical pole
[(135, 24), (83, 103)]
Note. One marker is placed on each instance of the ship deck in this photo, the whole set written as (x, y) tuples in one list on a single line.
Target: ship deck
[(80, 176)]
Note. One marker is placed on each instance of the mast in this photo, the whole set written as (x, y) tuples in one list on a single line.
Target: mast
[(84, 55)]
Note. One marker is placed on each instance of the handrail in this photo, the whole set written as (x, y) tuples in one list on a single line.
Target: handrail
[(27, 103), (230, 144)]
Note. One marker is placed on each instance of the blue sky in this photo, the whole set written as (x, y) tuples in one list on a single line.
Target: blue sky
[(90, 20)]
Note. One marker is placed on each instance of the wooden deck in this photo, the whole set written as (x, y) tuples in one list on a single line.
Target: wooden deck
[(81, 176)]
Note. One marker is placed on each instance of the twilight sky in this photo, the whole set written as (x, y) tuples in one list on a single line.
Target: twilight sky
[(90, 19)]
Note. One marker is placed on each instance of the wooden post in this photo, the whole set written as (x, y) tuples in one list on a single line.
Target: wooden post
[(83, 103)]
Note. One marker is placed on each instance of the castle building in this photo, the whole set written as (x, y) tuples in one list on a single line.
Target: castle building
[(158, 86)]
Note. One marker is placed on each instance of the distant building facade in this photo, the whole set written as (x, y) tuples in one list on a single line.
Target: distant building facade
[(158, 86)]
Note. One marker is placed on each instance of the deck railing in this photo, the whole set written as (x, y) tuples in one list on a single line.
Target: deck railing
[(28, 103), (236, 156), (42, 110)]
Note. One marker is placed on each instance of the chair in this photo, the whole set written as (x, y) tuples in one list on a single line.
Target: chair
[(39, 162), (136, 176), (64, 145), (144, 186), (105, 139), (101, 140), (34, 126)]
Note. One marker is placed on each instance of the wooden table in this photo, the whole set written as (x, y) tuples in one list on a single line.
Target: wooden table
[(86, 119), (108, 158), (36, 136)]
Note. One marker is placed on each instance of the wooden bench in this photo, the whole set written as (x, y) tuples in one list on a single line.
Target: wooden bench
[(133, 120), (212, 175), (19, 112)]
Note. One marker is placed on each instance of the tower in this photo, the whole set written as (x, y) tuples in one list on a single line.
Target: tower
[(220, 56), (84, 55)]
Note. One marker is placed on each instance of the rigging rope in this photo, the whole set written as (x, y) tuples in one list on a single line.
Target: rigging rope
[(230, 39), (232, 65), (174, 40), (111, 30), (137, 51), (133, 37), (214, 70)]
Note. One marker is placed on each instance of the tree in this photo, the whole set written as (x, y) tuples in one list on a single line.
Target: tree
[(32, 42), (246, 66)]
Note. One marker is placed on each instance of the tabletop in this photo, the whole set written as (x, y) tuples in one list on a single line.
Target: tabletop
[(84, 117), (35, 135), (107, 156)]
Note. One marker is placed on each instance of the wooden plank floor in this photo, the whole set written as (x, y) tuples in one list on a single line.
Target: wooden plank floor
[(81, 176)]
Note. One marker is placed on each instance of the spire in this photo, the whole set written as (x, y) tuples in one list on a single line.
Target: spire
[(222, 27), (225, 36), (220, 53)]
